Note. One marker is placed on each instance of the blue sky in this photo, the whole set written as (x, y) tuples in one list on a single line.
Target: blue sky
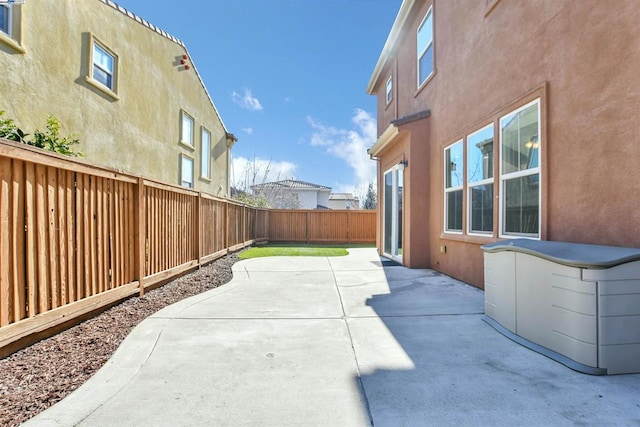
[(288, 78)]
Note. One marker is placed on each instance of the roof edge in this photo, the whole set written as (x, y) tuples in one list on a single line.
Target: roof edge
[(177, 41), (402, 16)]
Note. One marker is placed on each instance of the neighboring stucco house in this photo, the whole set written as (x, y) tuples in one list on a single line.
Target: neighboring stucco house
[(501, 119), (128, 90), (343, 201), (293, 194)]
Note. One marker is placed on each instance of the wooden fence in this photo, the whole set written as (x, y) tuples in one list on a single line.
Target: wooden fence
[(322, 226), (75, 238)]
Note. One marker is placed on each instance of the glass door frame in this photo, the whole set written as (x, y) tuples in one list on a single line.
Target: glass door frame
[(393, 249)]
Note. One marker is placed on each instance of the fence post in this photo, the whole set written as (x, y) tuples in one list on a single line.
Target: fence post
[(199, 229), (140, 216)]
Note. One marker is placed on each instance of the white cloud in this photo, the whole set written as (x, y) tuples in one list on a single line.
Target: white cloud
[(246, 100), (248, 131), (288, 99), (247, 172), (350, 145)]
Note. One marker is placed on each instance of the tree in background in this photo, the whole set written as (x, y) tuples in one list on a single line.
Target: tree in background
[(370, 200)]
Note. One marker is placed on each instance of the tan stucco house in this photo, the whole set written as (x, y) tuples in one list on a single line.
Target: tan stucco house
[(506, 119), (129, 91)]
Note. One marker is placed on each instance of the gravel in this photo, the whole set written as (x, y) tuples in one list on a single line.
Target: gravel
[(35, 378)]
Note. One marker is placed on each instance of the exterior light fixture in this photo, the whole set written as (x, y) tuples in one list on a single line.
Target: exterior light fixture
[(403, 164)]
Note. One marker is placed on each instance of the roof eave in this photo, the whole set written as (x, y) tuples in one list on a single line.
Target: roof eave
[(401, 18)]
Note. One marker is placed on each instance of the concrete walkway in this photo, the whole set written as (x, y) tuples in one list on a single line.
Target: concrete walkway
[(336, 342)]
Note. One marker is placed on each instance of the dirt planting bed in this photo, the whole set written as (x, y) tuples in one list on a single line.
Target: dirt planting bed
[(37, 377)]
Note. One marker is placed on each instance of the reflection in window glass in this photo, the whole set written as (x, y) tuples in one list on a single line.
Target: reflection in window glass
[(389, 89), (480, 180), (425, 48), (520, 174), (388, 211), (453, 166), (187, 129), (206, 153), (519, 132), (521, 205), (5, 20), (103, 66)]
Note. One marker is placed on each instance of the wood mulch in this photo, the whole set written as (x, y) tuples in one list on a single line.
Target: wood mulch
[(35, 378)]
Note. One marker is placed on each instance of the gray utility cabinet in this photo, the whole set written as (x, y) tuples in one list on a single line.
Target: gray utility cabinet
[(576, 303)]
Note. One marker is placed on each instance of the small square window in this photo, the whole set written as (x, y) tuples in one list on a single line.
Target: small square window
[(205, 156), (103, 66), (186, 129), (389, 91), (186, 171), (11, 26), (102, 71)]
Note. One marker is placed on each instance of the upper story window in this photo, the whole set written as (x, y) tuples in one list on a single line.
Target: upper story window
[(453, 188), (205, 156), (425, 48), (5, 20), (11, 26), (186, 129), (389, 90), (103, 68)]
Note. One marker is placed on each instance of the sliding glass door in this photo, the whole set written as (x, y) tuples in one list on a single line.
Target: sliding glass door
[(393, 183)]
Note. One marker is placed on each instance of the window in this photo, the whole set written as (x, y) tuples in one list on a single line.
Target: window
[(425, 48), (480, 181), (520, 171), (453, 167), (389, 89), (517, 185), (205, 156), (186, 170), (5, 20), (11, 26), (186, 129), (103, 66)]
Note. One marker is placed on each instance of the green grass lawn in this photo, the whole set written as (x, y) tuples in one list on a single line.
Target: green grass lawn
[(294, 250)]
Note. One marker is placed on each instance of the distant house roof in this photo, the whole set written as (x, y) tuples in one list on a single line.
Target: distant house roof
[(289, 183), (342, 196)]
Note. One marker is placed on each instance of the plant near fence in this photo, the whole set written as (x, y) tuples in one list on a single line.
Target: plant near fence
[(50, 139)]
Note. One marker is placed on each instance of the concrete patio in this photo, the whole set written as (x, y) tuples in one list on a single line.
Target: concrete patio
[(338, 342)]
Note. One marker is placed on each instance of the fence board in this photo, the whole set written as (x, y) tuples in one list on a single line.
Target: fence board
[(74, 238)]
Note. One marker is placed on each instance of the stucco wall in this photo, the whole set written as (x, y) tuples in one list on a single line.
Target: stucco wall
[(582, 59), (139, 132)]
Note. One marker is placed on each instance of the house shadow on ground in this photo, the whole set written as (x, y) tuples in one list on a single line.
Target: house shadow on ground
[(426, 358)]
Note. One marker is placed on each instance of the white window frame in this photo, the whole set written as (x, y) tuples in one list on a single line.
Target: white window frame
[(183, 170), (389, 90), (520, 174), (422, 52), (471, 185), (90, 78), (452, 189), (12, 37), (205, 153), (114, 60), (187, 139)]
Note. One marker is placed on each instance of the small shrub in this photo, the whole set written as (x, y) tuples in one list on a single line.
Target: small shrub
[(49, 140)]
